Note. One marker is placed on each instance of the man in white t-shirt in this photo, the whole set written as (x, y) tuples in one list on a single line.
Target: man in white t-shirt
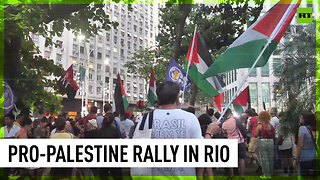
[(275, 123), (169, 122), (127, 123), (10, 129)]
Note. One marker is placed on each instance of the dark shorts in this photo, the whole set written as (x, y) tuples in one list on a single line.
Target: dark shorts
[(286, 153), (242, 150)]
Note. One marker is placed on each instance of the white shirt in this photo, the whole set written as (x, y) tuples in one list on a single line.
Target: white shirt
[(53, 131), (12, 133), (275, 123), (100, 121), (286, 144), (173, 124), (126, 125)]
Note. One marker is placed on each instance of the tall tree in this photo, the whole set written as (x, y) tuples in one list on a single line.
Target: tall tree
[(219, 25)]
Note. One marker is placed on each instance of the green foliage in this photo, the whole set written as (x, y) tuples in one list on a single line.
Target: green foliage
[(318, 64), (299, 57), (219, 25), (26, 70), (297, 80)]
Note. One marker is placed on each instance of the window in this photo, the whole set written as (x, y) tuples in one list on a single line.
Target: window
[(81, 49), (266, 94), (90, 89), (98, 78), (115, 39), (115, 50), (47, 54), (90, 76), (265, 70), (100, 39), (98, 66), (107, 47), (91, 53), (59, 57), (99, 55), (115, 71), (253, 72), (107, 69), (276, 66), (135, 28), (121, 71), (58, 44), (253, 95), (108, 36), (106, 79), (122, 52), (122, 42), (98, 90)]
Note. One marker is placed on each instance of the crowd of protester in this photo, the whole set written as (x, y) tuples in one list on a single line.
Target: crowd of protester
[(262, 139)]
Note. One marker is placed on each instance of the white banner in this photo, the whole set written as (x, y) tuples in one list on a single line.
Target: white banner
[(119, 153)]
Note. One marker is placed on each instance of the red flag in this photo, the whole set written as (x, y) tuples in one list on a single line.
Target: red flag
[(193, 51), (242, 98), (218, 100), (67, 85)]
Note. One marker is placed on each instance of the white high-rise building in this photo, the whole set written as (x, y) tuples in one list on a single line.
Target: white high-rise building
[(105, 55)]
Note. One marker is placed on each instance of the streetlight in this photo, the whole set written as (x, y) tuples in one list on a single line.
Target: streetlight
[(85, 83)]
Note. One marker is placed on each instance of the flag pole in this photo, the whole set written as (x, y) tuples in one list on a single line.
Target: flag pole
[(274, 32), (189, 62)]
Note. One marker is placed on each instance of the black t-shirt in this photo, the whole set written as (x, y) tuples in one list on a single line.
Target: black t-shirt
[(91, 134), (109, 132)]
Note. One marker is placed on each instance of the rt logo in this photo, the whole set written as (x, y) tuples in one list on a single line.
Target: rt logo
[(304, 15)]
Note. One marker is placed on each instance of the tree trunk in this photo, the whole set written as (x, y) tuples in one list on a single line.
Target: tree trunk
[(194, 92), (185, 10), (12, 62)]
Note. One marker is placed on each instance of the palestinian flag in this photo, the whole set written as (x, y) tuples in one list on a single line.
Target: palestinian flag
[(120, 98), (152, 96), (67, 85), (241, 101), (217, 101), (198, 60), (243, 52)]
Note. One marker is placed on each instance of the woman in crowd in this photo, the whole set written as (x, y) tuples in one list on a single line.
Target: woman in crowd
[(306, 151), (285, 145), (204, 121), (265, 132), (108, 131), (25, 130)]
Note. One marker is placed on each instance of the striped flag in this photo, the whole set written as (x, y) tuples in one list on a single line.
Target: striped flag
[(120, 98), (198, 60), (152, 96), (243, 52), (241, 101)]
